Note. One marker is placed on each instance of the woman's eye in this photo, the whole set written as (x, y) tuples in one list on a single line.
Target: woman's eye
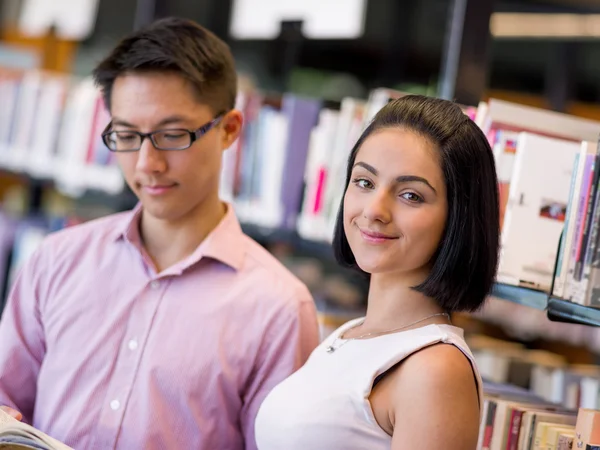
[(412, 197), (362, 183)]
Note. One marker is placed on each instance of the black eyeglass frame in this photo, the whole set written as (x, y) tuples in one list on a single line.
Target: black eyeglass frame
[(194, 135)]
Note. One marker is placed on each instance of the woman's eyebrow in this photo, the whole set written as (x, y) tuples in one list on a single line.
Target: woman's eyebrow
[(399, 179)]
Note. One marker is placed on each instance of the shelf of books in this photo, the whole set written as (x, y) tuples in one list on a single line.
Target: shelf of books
[(285, 178), (285, 175), (535, 399), (50, 126), (287, 172)]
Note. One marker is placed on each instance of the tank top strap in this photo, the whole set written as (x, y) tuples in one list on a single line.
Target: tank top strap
[(336, 334)]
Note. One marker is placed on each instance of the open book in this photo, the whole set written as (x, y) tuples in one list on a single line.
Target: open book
[(15, 435)]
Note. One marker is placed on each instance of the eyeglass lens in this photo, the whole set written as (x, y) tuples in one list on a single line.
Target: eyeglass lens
[(166, 140)]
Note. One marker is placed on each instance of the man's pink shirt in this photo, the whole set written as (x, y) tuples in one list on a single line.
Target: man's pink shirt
[(101, 352)]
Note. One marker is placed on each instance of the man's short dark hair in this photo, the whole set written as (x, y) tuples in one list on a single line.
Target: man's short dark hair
[(465, 263), (180, 46)]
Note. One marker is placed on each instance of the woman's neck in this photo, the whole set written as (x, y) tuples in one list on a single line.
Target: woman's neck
[(392, 303)]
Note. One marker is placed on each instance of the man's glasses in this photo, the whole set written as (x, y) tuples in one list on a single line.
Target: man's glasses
[(168, 139)]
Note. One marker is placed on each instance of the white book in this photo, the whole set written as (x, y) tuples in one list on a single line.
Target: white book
[(41, 158), (74, 138), (26, 114), (501, 114), (13, 433), (348, 131), (503, 156), (312, 222), (9, 93), (535, 213), (267, 210)]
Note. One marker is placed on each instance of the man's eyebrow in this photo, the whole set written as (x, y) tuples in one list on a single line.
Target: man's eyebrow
[(166, 121)]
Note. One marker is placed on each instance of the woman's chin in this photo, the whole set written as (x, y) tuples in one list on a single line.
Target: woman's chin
[(385, 268), (371, 267)]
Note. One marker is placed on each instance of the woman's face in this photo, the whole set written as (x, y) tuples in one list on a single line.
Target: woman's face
[(395, 207)]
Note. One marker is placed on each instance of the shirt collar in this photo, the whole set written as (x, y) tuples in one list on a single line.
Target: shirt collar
[(225, 243), (128, 229)]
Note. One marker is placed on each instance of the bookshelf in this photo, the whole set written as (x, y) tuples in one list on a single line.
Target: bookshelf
[(521, 295), (286, 188), (560, 310), (557, 309)]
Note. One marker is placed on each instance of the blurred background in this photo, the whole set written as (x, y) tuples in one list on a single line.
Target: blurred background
[(341, 55), (542, 52)]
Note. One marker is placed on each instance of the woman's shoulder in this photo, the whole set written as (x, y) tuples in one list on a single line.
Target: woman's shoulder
[(438, 364), (445, 364), (438, 387)]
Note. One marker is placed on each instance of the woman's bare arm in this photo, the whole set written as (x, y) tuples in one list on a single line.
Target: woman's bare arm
[(435, 401)]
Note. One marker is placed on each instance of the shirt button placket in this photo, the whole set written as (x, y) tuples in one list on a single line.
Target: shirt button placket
[(123, 380)]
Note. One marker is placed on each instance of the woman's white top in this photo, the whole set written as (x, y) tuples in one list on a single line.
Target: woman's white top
[(325, 404)]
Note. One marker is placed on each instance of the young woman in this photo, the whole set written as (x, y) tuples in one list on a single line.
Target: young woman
[(419, 217)]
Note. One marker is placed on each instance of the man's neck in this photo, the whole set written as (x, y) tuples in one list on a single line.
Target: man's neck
[(168, 242)]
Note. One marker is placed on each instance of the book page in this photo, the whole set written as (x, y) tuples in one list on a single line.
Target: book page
[(13, 428), (5, 418)]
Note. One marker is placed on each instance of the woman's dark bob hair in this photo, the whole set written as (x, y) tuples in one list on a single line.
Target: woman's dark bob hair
[(465, 263)]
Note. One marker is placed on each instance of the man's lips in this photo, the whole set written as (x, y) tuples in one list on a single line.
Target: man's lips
[(158, 189)]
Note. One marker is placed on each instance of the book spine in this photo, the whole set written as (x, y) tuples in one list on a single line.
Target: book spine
[(579, 222), (591, 198), (489, 426), (514, 430), (591, 251), (588, 243), (559, 281)]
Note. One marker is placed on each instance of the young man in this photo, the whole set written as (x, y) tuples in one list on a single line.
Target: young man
[(164, 327)]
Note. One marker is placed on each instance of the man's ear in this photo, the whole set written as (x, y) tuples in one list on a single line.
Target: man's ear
[(231, 124)]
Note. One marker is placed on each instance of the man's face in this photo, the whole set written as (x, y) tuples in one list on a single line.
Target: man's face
[(171, 184)]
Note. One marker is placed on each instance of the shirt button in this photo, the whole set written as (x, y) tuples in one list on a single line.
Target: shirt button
[(115, 404), (154, 284), (133, 345)]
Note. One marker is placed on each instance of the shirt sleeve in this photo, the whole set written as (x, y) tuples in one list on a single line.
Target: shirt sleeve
[(289, 340), (23, 344)]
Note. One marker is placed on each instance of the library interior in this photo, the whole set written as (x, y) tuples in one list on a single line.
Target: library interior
[(311, 77)]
